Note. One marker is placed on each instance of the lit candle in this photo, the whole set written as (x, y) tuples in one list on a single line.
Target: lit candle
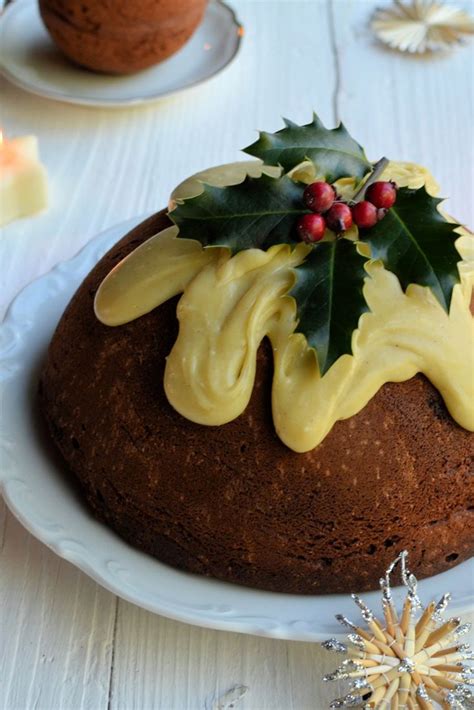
[(23, 180)]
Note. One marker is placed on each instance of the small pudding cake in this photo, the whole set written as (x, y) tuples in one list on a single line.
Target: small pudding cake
[(118, 36)]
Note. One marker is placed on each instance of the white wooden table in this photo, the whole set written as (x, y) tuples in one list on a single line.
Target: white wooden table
[(66, 643)]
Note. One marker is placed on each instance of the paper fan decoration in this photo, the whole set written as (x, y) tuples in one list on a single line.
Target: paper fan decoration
[(421, 25), (409, 662)]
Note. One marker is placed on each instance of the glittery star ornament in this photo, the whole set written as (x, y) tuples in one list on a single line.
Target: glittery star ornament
[(408, 661), (420, 26)]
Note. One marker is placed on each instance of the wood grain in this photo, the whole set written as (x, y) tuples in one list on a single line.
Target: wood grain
[(163, 656), (65, 643), (55, 623)]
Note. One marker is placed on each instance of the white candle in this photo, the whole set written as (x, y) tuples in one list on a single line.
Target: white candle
[(23, 180)]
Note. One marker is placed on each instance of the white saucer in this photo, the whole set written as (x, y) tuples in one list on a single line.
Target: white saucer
[(44, 498), (29, 59)]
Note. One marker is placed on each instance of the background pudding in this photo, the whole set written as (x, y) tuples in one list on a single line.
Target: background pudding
[(119, 37)]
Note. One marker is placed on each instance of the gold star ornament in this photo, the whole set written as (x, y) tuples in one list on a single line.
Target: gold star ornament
[(407, 661), (420, 26)]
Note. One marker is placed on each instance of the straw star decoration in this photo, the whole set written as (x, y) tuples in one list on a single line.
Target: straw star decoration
[(419, 26), (415, 660)]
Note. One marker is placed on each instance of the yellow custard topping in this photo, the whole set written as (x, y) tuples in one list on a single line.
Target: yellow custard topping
[(230, 303)]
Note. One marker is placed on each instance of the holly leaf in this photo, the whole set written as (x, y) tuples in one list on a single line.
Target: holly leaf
[(329, 298), (416, 243), (256, 213), (334, 153)]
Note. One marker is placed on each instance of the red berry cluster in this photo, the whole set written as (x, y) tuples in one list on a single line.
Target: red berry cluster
[(329, 211)]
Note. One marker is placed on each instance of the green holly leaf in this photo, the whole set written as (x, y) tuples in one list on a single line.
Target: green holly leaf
[(416, 243), (334, 153), (329, 298), (256, 213)]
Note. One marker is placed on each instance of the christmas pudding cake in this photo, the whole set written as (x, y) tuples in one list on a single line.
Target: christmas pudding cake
[(271, 382), (119, 36)]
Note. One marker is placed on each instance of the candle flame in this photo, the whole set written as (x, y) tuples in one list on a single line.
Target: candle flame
[(1, 137)]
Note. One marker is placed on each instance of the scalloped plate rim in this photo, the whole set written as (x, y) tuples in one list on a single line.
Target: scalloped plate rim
[(274, 623)]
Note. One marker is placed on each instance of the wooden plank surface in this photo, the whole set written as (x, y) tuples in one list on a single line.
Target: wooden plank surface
[(65, 643)]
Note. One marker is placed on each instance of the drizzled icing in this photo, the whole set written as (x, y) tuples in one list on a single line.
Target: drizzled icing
[(230, 303)]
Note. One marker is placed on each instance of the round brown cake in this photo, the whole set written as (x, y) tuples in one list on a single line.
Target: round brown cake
[(233, 502), (117, 36)]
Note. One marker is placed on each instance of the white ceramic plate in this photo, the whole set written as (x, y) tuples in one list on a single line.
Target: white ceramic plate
[(45, 499), (29, 59)]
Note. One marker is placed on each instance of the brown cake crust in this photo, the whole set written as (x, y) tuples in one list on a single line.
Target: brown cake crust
[(119, 36), (233, 502)]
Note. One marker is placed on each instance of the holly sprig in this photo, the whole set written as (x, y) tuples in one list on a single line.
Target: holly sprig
[(329, 298), (417, 243), (256, 213), (414, 240), (334, 152)]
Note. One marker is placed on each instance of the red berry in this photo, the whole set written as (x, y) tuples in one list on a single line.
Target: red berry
[(319, 196), (310, 228), (364, 214), (339, 217), (382, 194), (381, 212)]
